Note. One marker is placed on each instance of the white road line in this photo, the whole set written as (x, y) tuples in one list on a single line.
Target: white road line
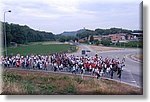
[(133, 80), (127, 56)]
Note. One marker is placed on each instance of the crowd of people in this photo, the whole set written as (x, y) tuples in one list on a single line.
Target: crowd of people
[(95, 65)]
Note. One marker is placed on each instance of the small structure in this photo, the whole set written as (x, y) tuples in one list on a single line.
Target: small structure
[(13, 44), (96, 37), (137, 36)]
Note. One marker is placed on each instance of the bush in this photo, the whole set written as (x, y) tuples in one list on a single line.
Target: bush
[(47, 89), (71, 89), (106, 41), (11, 77), (29, 87), (78, 79), (96, 42)]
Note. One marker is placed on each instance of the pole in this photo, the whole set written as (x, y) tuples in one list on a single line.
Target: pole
[(5, 35), (5, 32), (124, 45)]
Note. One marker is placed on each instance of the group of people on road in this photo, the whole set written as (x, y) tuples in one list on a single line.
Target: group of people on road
[(95, 65)]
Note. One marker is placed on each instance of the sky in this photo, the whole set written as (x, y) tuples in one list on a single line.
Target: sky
[(57, 16)]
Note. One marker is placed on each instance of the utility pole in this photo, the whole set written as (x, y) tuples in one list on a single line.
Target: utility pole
[(4, 29)]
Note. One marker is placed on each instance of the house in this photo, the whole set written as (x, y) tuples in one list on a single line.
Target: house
[(99, 38), (114, 37), (95, 37), (121, 37), (83, 40), (137, 36)]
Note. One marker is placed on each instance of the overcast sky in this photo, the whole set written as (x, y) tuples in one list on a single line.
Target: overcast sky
[(57, 16)]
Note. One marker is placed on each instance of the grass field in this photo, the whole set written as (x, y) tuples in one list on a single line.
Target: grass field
[(39, 48), (30, 82)]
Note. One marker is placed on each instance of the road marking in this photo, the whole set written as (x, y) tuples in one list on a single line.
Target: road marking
[(133, 80), (127, 56)]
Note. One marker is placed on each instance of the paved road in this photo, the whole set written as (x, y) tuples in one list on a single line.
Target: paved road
[(132, 72)]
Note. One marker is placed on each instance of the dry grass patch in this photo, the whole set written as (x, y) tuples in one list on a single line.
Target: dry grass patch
[(139, 56), (31, 82), (103, 48)]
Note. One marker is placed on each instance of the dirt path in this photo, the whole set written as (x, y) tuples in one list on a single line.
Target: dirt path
[(103, 48), (52, 42)]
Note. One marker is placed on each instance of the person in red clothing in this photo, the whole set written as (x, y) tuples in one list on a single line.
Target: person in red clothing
[(87, 66), (94, 65), (18, 63), (93, 68)]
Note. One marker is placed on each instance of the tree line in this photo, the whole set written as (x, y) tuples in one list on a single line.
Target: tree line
[(86, 33), (23, 34), (98, 31)]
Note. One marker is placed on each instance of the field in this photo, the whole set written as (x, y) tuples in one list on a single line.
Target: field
[(41, 48), (31, 82)]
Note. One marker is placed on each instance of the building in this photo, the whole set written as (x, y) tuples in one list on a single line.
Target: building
[(96, 37), (118, 37), (83, 40), (137, 36)]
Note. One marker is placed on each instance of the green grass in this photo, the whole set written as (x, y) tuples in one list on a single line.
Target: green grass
[(30, 82), (43, 49), (131, 44)]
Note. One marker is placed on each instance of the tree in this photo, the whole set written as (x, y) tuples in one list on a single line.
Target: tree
[(96, 42), (63, 38), (24, 34), (99, 31), (91, 39), (106, 41), (85, 34)]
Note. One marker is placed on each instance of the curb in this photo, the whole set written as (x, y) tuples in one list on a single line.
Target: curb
[(134, 58)]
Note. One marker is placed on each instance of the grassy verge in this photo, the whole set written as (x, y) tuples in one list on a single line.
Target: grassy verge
[(139, 56), (39, 48), (132, 44), (29, 82)]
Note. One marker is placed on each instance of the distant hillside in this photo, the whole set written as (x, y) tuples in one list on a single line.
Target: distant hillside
[(72, 33), (24, 34), (99, 31)]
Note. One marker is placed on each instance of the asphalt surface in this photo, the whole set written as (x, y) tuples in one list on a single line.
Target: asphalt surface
[(132, 72)]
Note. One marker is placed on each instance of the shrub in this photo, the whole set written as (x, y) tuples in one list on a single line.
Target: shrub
[(71, 89)]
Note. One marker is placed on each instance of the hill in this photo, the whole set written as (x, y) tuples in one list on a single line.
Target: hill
[(72, 33), (39, 82), (24, 34)]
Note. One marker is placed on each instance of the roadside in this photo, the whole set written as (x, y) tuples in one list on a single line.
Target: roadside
[(103, 48), (136, 57), (21, 83)]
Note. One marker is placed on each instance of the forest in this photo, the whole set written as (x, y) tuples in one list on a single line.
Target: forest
[(24, 34)]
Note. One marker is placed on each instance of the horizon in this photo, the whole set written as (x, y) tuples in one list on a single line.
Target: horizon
[(58, 16), (72, 30)]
